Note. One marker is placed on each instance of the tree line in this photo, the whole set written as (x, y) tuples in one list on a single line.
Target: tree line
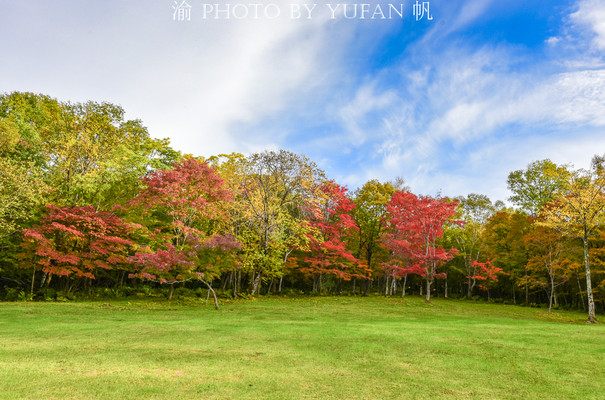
[(89, 202)]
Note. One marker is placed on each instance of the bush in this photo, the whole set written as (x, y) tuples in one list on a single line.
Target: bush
[(126, 291), (183, 293), (25, 296), (11, 294), (49, 294), (292, 292), (144, 290), (108, 293), (62, 296), (16, 294)]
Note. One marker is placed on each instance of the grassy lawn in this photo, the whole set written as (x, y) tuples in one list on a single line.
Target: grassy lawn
[(311, 348)]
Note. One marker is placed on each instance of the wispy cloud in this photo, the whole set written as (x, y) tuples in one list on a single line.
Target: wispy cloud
[(465, 117), (591, 15), (442, 104)]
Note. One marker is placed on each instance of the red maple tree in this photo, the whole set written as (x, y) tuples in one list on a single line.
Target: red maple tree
[(76, 242), (332, 221), (416, 224), (485, 272), (182, 206)]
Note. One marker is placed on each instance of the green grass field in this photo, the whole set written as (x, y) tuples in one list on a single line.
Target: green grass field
[(308, 348)]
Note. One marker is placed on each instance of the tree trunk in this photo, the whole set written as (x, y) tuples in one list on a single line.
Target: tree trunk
[(122, 278), (238, 286), (256, 283), (367, 284), (580, 293), (171, 291), (227, 279), (526, 289), (552, 294), (44, 279), (210, 290), (234, 283), (281, 279), (591, 308), (33, 279), (428, 290), (405, 281), (446, 287)]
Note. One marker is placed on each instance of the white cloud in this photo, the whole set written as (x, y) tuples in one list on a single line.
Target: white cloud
[(470, 11), (446, 117), (466, 123), (198, 82), (354, 114), (591, 14), (459, 16)]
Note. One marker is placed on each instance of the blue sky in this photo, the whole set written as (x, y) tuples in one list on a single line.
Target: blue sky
[(451, 104)]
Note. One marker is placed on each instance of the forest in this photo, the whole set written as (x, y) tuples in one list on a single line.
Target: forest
[(92, 206)]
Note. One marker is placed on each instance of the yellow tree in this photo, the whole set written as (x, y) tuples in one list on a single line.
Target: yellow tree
[(505, 247), (578, 211), (369, 215), (271, 192), (550, 252)]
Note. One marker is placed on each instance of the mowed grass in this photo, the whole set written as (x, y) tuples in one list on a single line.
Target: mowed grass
[(308, 348)]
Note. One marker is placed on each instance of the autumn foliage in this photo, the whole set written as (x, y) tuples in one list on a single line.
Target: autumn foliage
[(184, 202), (78, 241), (88, 200), (417, 223), (331, 222)]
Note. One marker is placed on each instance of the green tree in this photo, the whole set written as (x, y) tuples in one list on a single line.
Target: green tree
[(370, 214), (86, 152), (475, 210), (536, 186), (578, 211), (21, 193)]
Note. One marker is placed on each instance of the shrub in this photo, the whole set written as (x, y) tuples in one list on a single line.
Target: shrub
[(11, 294), (183, 293)]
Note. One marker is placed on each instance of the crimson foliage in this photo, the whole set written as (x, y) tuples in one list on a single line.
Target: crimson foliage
[(417, 224), (76, 241)]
